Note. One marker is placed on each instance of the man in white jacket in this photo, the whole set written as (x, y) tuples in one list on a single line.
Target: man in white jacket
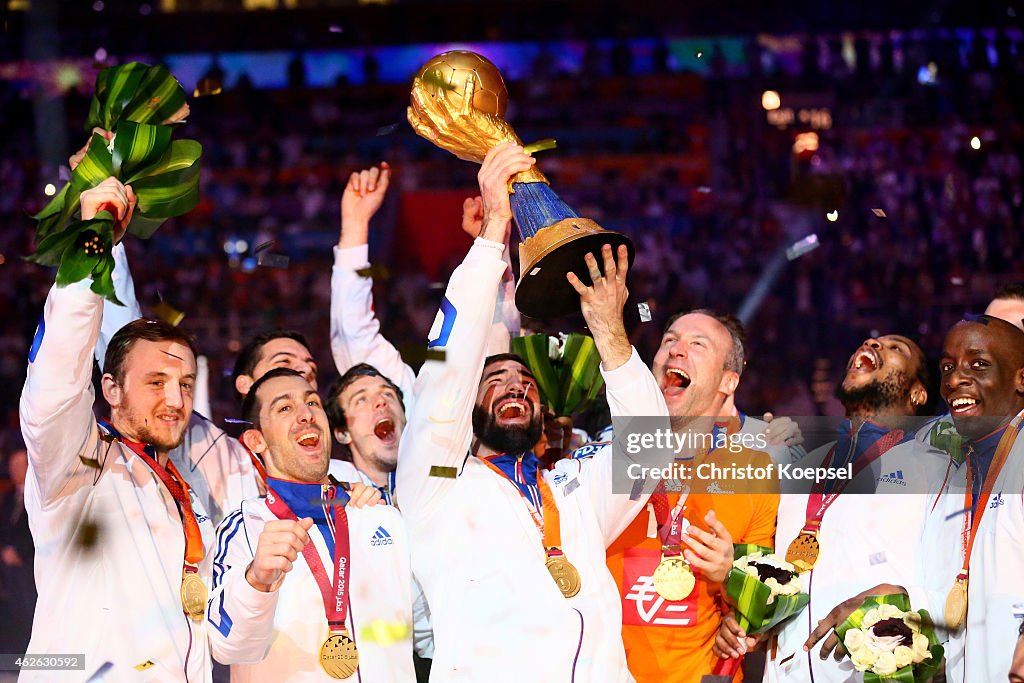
[(121, 544), (307, 587), (512, 559), (866, 544), (975, 526)]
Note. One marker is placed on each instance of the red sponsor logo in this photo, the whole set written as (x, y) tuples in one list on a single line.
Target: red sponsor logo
[(641, 604)]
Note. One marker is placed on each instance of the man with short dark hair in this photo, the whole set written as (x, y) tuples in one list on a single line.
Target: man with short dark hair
[(273, 349), (303, 574), (976, 560), (1008, 304), (367, 417), (121, 543)]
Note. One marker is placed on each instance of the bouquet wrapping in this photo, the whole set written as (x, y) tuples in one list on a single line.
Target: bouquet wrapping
[(140, 105), (889, 642)]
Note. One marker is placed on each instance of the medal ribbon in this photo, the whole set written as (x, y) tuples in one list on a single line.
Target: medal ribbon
[(670, 522), (179, 490), (548, 522), (335, 597), (819, 502), (976, 513)]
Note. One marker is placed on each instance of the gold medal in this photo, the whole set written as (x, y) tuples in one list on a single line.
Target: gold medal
[(956, 604), (193, 596), (673, 579), (566, 577), (803, 551), (338, 655)]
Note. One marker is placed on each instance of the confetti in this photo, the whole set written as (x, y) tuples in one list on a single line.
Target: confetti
[(263, 247), (328, 502), (236, 421), (88, 534), (90, 462), (645, 311), (207, 87), (976, 318), (415, 354), (541, 145), (273, 260), (334, 28), (169, 314), (385, 633), (387, 130), (878, 212), (803, 246), (148, 664), (704, 189), (443, 472), (699, 54), (377, 272)]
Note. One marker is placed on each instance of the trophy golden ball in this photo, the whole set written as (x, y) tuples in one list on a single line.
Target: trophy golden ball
[(449, 72)]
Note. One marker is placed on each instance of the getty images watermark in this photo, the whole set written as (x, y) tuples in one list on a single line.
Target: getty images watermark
[(736, 455)]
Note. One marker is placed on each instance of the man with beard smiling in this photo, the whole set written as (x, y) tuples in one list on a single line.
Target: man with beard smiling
[(270, 610), (512, 558), (974, 530), (861, 546), (121, 542)]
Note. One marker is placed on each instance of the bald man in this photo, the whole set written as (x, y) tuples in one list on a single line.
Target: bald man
[(972, 587), (1008, 304)]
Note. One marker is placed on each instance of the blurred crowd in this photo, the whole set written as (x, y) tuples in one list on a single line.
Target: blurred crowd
[(914, 193)]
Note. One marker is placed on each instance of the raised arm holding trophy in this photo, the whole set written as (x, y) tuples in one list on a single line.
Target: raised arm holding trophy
[(458, 101)]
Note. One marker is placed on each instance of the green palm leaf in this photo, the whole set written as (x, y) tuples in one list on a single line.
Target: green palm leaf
[(134, 92), (534, 350), (137, 146)]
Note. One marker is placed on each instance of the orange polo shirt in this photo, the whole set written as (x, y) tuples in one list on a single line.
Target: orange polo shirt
[(670, 642)]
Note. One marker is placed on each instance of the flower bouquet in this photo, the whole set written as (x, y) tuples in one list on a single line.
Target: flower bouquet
[(888, 642), (567, 369), (765, 589), (139, 105)]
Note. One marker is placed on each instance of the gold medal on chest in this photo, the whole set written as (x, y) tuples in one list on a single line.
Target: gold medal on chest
[(566, 577), (673, 579), (193, 596), (803, 551), (338, 655)]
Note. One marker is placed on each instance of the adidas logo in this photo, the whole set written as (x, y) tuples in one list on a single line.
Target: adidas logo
[(894, 478), (381, 537)]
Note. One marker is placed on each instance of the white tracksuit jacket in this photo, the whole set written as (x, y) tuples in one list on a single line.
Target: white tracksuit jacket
[(865, 540), (355, 330), (118, 600), (981, 649), (215, 465), (277, 636), (497, 613)]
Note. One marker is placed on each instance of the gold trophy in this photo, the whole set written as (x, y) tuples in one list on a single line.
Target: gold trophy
[(458, 101)]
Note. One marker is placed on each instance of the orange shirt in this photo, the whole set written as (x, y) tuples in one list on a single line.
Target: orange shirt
[(670, 642)]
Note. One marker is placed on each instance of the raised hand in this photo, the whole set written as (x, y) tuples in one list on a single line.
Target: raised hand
[(500, 164), (278, 546), (602, 305), (363, 196), (113, 196), (473, 216), (363, 496)]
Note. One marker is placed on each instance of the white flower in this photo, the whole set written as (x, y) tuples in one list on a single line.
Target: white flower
[(913, 620), (871, 618), (885, 664), (863, 658), (110, 145), (752, 571), (904, 656), (920, 648), (554, 348), (854, 639), (886, 611)]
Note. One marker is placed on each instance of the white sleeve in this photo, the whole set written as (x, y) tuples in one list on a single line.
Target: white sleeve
[(632, 392), (201, 395), (115, 317), (422, 632), (355, 330), (56, 415), (240, 618), (441, 426), (506, 323)]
